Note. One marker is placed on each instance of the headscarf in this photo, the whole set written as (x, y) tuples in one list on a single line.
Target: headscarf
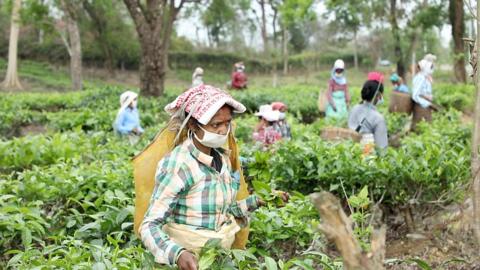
[(268, 113), (430, 57), (375, 76), (198, 72), (197, 77), (339, 64), (126, 98), (202, 103), (239, 67), (263, 109), (426, 67), (395, 78), (277, 106)]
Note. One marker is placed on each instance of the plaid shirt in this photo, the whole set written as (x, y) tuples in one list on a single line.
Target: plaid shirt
[(189, 191)]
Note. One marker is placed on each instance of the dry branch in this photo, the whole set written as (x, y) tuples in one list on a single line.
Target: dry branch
[(338, 228)]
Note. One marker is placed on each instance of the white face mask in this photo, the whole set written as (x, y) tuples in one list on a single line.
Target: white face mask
[(134, 104), (338, 75), (282, 116), (212, 140)]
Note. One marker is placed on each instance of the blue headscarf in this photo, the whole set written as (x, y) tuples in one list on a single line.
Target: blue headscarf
[(339, 80)]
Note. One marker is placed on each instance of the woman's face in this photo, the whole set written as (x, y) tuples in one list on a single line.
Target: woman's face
[(133, 104), (219, 124)]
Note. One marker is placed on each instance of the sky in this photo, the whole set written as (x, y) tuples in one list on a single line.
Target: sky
[(193, 29)]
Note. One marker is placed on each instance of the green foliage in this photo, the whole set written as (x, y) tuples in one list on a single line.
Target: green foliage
[(455, 96), (67, 195), (360, 216), (436, 161), (217, 18)]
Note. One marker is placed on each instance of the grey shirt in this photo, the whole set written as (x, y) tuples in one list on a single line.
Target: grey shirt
[(371, 121)]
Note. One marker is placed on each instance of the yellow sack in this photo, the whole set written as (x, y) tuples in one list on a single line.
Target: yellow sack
[(145, 166), (322, 101)]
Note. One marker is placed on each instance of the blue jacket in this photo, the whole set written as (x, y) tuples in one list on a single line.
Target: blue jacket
[(127, 120)]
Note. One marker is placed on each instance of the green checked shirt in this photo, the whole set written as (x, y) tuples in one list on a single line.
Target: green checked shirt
[(190, 191)]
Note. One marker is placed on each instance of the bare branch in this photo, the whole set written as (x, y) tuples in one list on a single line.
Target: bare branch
[(135, 10)]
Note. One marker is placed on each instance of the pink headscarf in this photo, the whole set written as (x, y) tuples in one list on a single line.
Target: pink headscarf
[(375, 76), (205, 101), (277, 106)]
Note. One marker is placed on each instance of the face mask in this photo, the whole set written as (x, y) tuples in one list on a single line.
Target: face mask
[(134, 104), (212, 140), (338, 75), (282, 116)]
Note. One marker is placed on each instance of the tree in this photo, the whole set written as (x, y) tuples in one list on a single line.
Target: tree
[(217, 18), (99, 13), (293, 12), (73, 43), (456, 15), (350, 15), (476, 142), (399, 57), (154, 24), (263, 27), (11, 79)]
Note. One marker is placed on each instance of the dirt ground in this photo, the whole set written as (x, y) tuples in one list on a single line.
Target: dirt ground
[(443, 239)]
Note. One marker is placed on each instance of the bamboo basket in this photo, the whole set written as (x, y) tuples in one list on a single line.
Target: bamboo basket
[(420, 114), (400, 103), (339, 134)]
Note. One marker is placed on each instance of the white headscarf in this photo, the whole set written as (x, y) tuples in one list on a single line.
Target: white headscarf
[(198, 72), (197, 77), (426, 66)]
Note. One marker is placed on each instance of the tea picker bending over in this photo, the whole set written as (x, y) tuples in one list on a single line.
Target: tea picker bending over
[(127, 122)]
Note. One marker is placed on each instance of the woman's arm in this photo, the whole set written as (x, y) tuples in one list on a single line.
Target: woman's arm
[(240, 209), (330, 92), (381, 134), (163, 201)]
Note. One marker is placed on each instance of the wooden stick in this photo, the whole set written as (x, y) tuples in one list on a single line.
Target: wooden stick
[(338, 228)]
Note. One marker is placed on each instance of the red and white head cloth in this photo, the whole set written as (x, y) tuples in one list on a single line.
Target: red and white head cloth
[(203, 102)]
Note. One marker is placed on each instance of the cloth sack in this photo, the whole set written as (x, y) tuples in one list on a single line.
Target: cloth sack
[(194, 240)]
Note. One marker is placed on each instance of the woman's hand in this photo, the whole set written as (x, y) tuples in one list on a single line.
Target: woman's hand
[(283, 195), (187, 261)]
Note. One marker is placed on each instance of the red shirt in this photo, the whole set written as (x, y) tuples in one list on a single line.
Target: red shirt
[(239, 80)]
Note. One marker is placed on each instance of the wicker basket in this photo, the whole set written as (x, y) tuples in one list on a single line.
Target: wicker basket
[(420, 114), (400, 103), (339, 134)]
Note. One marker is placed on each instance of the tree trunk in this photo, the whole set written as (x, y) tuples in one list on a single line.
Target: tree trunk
[(355, 50), (154, 25), (75, 52), (475, 146), (274, 26), (456, 14), (152, 70), (41, 35), (285, 51), (11, 81), (264, 25), (97, 14), (396, 39)]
